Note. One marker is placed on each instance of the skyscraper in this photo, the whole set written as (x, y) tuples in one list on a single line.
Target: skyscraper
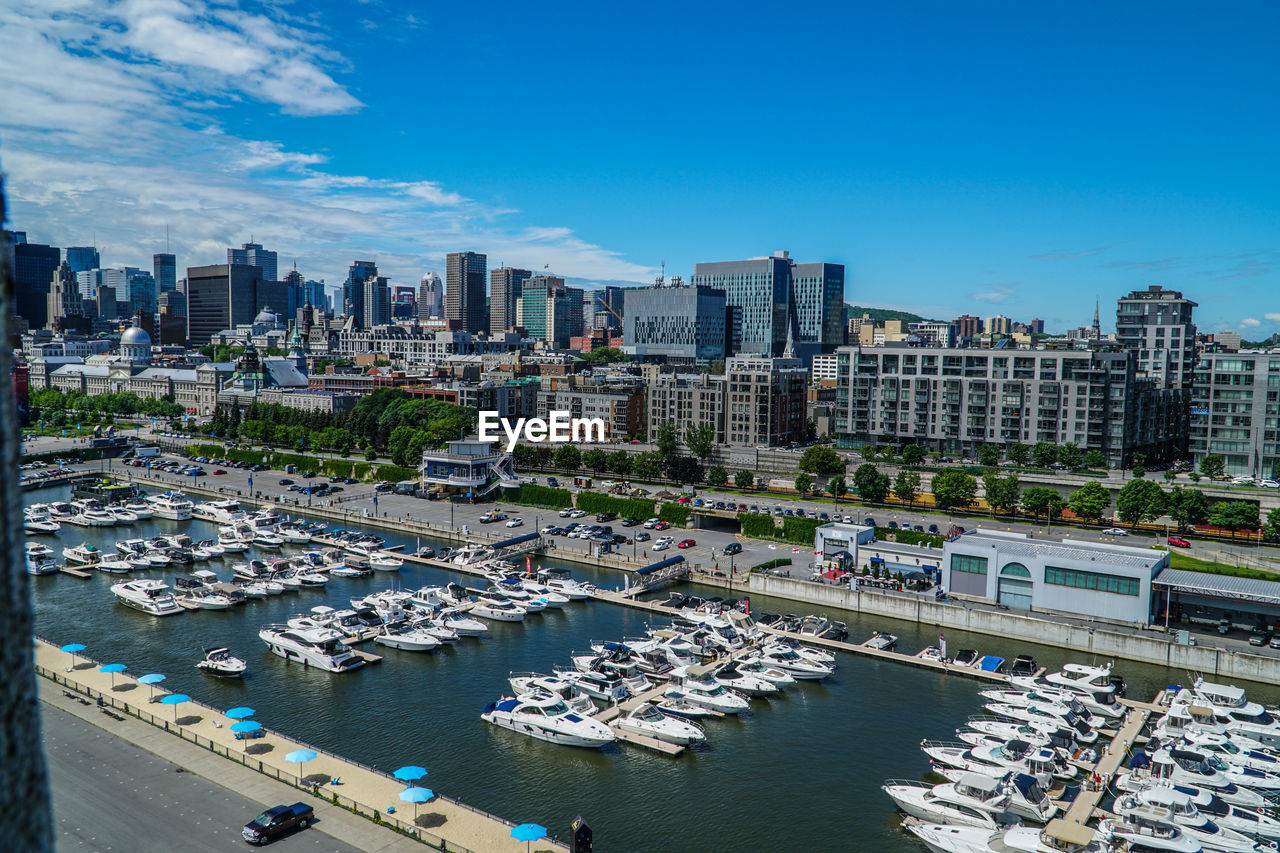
[(164, 267), (817, 303), (430, 297), (506, 285), (64, 296), (353, 288), (675, 324), (1156, 324), (550, 311), (81, 258), (33, 267), (377, 302), (222, 296), (255, 256), (464, 307)]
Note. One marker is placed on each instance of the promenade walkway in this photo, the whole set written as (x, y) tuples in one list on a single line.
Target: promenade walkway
[(441, 823)]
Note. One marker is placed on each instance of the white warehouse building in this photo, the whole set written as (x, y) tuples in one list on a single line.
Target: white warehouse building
[(1110, 582)]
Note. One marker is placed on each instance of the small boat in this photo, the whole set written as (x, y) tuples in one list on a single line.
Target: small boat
[(462, 624), (222, 663), (36, 550), (349, 572), (257, 589), (1024, 666), (882, 641), (148, 595), (652, 722), (323, 648), (122, 515), (311, 579), (932, 653), (813, 626), (385, 563), (204, 598), (426, 552), (499, 609), (706, 691), (676, 704), (547, 718), (976, 800), (293, 534), (408, 638), (40, 526), (966, 657), (140, 508), (45, 566), (114, 567), (532, 683)]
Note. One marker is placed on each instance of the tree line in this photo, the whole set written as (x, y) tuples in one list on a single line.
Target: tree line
[(56, 407)]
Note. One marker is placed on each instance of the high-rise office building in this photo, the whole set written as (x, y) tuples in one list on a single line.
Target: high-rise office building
[(139, 292), (676, 324), (81, 258), (550, 311), (164, 267), (33, 267), (353, 288), (817, 303), (464, 307), (430, 297), (222, 296), (998, 325), (377, 302), (64, 296), (255, 256), (313, 294), (506, 285), (1156, 324)]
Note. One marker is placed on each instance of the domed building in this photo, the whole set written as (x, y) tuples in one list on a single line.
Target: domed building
[(135, 345)]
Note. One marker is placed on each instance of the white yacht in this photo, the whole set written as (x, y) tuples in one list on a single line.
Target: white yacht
[(222, 663), (1254, 822), (976, 800), (322, 648), (1058, 836), (42, 566), (230, 541), (60, 510), (91, 513), (547, 718), (37, 519), (492, 607), (1245, 720), (805, 651), (734, 677), (703, 690), (220, 512), (1149, 828), (461, 623), (558, 580), (293, 535), (1162, 770), (1016, 756), (755, 666), (382, 562), (790, 662), (532, 683), (1059, 703), (36, 550), (140, 508), (598, 685), (113, 566), (1176, 807), (469, 555), (148, 595), (172, 505), (648, 720), (408, 638), (82, 555), (999, 729), (1187, 767), (1029, 796), (1046, 713), (121, 515), (517, 596), (543, 593)]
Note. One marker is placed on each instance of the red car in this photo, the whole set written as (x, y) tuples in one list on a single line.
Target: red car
[(687, 543), (219, 471), (1179, 542), (682, 500), (661, 525)]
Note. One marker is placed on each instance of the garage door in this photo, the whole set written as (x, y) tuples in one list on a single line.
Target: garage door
[(1014, 588)]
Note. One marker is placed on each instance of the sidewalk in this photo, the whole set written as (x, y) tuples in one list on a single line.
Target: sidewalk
[(205, 735)]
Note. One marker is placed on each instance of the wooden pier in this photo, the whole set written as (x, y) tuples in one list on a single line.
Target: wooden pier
[(74, 572), (1083, 808), (609, 715)]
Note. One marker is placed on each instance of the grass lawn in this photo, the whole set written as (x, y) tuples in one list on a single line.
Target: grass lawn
[(1182, 561)]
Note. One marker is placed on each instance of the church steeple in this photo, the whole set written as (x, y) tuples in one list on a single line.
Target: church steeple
[(1097, 325)]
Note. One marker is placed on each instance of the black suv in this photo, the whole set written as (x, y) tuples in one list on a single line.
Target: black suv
[(277, 821), (606, 516)]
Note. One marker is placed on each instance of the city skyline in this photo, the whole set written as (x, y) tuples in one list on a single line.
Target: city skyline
[(1054, 180)]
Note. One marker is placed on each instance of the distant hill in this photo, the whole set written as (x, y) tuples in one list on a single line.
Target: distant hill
[(880, 314)]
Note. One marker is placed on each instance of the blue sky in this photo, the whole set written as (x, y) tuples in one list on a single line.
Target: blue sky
[(985, 158)]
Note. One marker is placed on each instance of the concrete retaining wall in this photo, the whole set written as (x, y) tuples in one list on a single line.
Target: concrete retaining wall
[(1097, 641)]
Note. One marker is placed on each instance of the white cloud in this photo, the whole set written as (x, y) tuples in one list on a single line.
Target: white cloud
[(994, 295), (112, 124), (1274, 317), (1250, 323)]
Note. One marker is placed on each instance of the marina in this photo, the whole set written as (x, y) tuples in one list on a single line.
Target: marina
[(426, 707)]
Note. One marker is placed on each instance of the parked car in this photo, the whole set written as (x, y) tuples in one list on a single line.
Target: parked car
[(1115, 531), (606, 516), (733, 548), (548, 530), (516, 522), (285, 481), (650, 523), (630, 521), (553, 482), (350, 481), (1178, 542), (933, 528), (687, 543), (276, 821), (661, 525), (308, 475), (333, 490), (1259, 636), (642, 536), (869, 521), (918, 528), (893, 525), (660, 546), (219, 471), (566, 512)]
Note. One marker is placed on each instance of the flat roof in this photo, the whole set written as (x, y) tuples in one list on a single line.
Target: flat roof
[(1016, 544), (1219, 586)]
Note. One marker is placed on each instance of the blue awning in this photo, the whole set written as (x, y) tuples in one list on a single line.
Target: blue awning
[(516, 540), (662, 564)]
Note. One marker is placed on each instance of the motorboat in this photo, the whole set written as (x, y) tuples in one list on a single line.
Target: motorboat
[(676, 704), (542, 592), (122, 515), (1103, 702), (82, 555), (526, 683), (36, 526), (222, 663), (293, 535), (204, 598), (172, 505), (803, 650), (382, 562), (652, 722), (1147, 770), (813, 626), (1245, 721), (426, 552), (1228, 700), (1030, 797), (225, 511), (251, 570), (470, 554), (882, 641), (757, 667), (1175, 807), (790, 662), (1015, 730), (547, 718), (704, 690), (349, 572), (265, 539), (1151, 828), (558, 580), (310, 579), (1080, 678), (1016, 756), (42, 566), (976, 800), (455, 594), (604, 686), (1254, 822), (408, 638), (518, 597), (256, 589), (501, 609), (1059, 836), (36, 550), (732, 676), (461, 623), (931, 653), (230, 541), (60, 510), (1040, 712), (320, 647), (148, 595), (214, 550), (966, 657), (90, 513), (1185, 766), (113, 566), (1049, 699), (141, 508)]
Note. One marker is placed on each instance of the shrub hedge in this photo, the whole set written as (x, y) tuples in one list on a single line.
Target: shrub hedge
[(910, 537), (540, 496), (800, 531), (595, 502), (363, 471), (759, 526), (772, 564), (674, 514)]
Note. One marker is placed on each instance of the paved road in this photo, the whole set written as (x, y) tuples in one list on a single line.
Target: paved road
[(110, 795)]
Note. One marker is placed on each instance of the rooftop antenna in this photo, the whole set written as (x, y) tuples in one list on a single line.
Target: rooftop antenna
[(166, 238)]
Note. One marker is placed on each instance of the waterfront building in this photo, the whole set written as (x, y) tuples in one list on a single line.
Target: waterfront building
[(254, 255), (955, 400), (416, 345), (194, 387), (510, 399), (467, 467), (1156, 324), (685, 325), (506, 286), (1235, 411), (1077, 578), (621, 409), (464, 299), (834, 540)]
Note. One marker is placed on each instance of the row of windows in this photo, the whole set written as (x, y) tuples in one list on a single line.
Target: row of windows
[(966, 563), (1091, 580)]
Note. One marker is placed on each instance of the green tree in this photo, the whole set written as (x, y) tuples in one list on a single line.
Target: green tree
[(1138, 465), (868, 452), (821, 460), (906, 486), (1019, 453), (744, 479), (595, 460), (620, 462), (872, 485), (647, 466), (803, 483), (1212, 466), (1069, 456), (1001, 492), (836, 487), (1272, 530), (700, 439), (912, 454), (1095, 459), (1187, 507), (887, 452), (1234, 515), (1089, 501), (1044, 454), (684, 469), (717, 476), (1042, 500), (1140, 500), (568, 457), (605, 355), (954, 488), (988, 455), (666, 439)]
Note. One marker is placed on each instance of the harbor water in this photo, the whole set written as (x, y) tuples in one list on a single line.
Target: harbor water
[(801, 772)]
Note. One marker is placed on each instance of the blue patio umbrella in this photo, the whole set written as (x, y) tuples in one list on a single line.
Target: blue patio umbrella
[(239, 713), (410, 773), (245, 727), (153, 679), (529, 833), (71, 649), (175, 699), (300, 756), (112, 669), (415, 796)]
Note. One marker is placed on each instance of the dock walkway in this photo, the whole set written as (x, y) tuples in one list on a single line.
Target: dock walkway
[(1084, 806)]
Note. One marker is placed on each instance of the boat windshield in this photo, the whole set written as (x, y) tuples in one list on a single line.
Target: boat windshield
[(1262, 718), (555, 709), (649, 714)]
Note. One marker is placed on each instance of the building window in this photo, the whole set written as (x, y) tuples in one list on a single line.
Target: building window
[(1091, 580), (966, 563), (1016, 570)]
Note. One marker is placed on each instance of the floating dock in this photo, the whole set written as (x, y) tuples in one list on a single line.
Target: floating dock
[(1084, 806), (74, 572)]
